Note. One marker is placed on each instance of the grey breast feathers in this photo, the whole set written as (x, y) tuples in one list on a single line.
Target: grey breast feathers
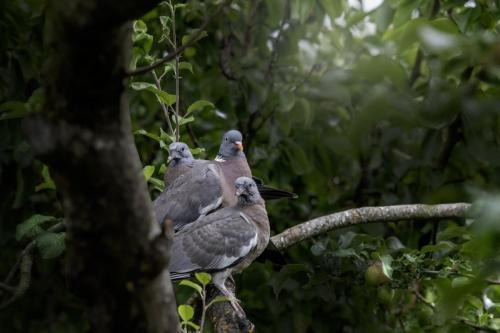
[(194, 193)]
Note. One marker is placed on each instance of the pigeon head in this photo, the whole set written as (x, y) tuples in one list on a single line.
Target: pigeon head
[(231, 144), (246, 191), (179, 152)]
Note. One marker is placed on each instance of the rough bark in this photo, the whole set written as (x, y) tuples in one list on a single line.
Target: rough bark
[(222, 314), (116, 253), (362, 215)]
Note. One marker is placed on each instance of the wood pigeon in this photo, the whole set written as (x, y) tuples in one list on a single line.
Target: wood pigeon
[(197, 187), (224, 242), (180, 161), (234, 164), (191, 195)]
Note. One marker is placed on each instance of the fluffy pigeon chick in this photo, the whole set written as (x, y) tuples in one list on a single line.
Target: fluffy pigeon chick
[(224, 242)]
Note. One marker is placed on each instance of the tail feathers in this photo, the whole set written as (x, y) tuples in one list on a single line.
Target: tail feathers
[(271, 193), (272, 254), (179, 276)]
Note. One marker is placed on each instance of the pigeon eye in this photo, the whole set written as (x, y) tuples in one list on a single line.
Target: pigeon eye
[(183, 148), (226, 138)]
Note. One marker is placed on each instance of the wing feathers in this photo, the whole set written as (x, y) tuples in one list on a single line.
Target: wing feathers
[(213, 243)]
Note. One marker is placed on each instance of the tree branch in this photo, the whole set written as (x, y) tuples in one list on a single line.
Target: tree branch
[(364, 215), (222, 314)]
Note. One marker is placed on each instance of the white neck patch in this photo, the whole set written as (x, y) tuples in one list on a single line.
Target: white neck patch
[(219, 158)]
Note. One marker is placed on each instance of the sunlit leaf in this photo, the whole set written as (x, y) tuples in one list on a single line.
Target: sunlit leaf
[(203, 277), (199, 105), (148, 171), (186, 312), (386, 265), (191, 284)]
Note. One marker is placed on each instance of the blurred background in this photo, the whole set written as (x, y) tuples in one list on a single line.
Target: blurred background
[(347, 103)]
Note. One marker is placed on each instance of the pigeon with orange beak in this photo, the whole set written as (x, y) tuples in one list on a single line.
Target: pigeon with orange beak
[(201, 187)]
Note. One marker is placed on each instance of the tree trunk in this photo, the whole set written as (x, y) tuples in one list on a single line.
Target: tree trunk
[(116, 254)]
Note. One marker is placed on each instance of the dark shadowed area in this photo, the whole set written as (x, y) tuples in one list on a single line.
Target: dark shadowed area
[(349, 104)]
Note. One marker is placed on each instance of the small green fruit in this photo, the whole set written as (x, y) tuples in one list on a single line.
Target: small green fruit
[(375, 276), (385, 295)]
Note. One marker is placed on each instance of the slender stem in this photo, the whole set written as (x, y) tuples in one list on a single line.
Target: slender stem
[(163, 107), (7, 287), (203, 308), (177, 88)]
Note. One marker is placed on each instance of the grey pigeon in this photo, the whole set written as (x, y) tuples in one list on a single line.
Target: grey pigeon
[(197, 187), (191, 195), (234, 164), (180, 161), (224, 242)]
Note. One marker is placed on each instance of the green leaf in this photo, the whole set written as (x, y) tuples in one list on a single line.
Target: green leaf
[(217, 300), (197, 151), (31, 227), (186, 38), (166, 137), (144, 41), (50, 244), (184, 120), (460, 281), (13, 110), (165, 20), (162, 96), (377, 68), (199, 105), (191, 284), (436, 247), (140, 26), (48, 183), (386, 265), (148, 171), (186, 312), (185, 65), (142, 85), (203, 277), (149, 135), (157, 183)]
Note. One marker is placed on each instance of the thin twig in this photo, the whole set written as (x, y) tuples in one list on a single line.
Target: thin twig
[(7, 287), (422, 299), (475, 326), (24, 264), (191, 134), (497, 282), (203, 308), (163, 107), (177, 87), (24, 280)]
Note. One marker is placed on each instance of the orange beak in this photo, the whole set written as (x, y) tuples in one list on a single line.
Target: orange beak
[(239, 145)]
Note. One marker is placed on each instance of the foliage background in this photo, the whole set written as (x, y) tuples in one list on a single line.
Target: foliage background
[(346, 105)]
